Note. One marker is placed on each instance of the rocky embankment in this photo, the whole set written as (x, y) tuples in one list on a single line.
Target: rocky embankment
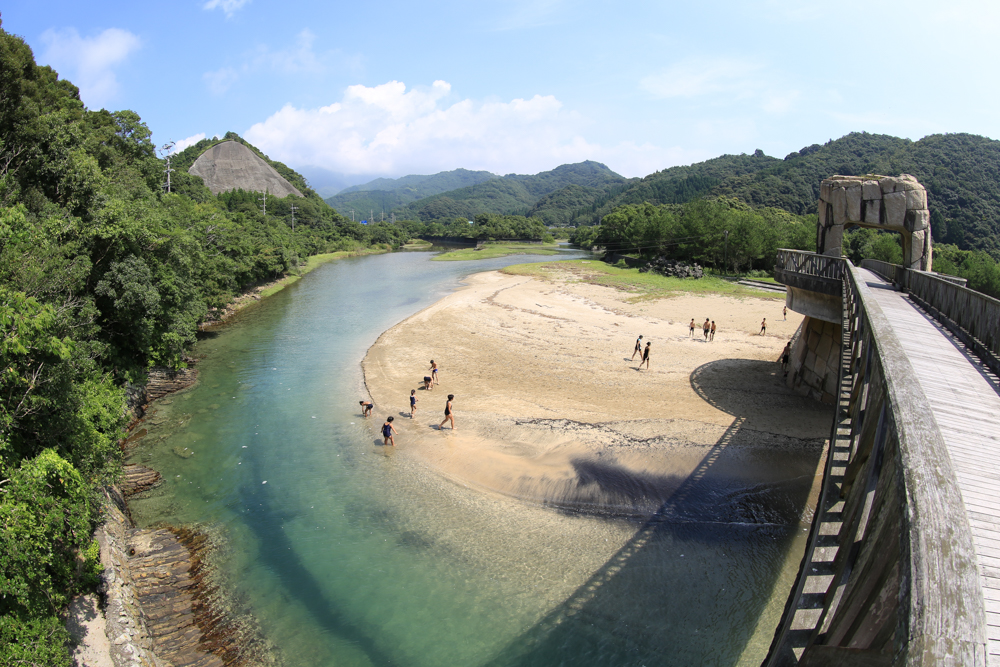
[(162, 605)]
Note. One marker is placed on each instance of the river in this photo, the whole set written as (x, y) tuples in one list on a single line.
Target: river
[(349, 554)]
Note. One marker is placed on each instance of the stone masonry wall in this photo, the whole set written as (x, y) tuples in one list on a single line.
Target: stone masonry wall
[(814, 367)]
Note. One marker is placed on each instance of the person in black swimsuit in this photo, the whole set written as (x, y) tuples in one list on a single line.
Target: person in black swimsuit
[(645, 357), (387, 430), (413, 402), (638, 347), (448, 414), (366, 408)]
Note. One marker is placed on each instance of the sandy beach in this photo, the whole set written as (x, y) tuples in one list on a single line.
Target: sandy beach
[(550, 408)]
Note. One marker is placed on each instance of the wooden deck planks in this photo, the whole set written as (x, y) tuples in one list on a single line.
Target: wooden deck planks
[(966, 407)]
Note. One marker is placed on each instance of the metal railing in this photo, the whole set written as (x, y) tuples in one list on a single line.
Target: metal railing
[(901, 582)]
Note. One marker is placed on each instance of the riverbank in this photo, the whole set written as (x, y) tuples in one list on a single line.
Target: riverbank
[(254, 294), (543, 380), (494, 250)]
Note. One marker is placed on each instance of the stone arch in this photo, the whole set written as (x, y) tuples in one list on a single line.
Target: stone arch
[(896, 203)]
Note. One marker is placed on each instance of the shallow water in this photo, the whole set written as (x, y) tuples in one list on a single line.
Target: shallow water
[(349, 554)]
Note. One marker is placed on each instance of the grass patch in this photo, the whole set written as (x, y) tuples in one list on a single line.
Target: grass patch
[(642, 286), (414, 244), (491, 250), (312, 263)]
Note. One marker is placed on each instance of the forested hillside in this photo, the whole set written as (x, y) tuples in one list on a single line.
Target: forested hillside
[(384, 195), (516, 194), (102, 274), (960, 171)]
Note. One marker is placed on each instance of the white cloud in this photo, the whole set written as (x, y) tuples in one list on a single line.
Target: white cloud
[(190, 141), (220, 80), (89, 62), (694, 77), (299, 58), (524, 14), (722, 80), (230, 7), (388, 129)]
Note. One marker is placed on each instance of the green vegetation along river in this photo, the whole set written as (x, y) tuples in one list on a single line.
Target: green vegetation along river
[(351, 554)]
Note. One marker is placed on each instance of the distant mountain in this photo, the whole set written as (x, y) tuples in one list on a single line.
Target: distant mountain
[(388, 194), (516, 194), (960, 171)]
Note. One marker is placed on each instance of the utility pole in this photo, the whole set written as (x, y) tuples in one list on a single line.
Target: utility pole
[(352, 215), (725, 251), (263, 198), (166, 148), (294, 209)]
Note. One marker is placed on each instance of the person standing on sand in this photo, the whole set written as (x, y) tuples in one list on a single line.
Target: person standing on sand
[(711, 332), (691, 328), (387, 430), (434, 372), (705, 327), (638, 347), (413, 402), (448, 414), (366, 408), (784, 312), (763, 326), (785, 354), (645, 357)]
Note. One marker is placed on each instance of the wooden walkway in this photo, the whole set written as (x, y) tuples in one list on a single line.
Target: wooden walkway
[(965, 400)]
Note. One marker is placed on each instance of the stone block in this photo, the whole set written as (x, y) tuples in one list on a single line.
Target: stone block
[(838, 197), (854, 203), (895, 209), (870, 190), (823, 349), (917, 220), (821, 208), (916, 199), (833, 241), (810, 362), (820, 368), (871, 210), (914, 261), (824, 191)]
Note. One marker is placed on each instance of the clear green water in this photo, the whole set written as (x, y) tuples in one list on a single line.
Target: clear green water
[(349, 554)]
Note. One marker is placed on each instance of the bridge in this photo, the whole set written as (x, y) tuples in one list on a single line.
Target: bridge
[(902, 565)]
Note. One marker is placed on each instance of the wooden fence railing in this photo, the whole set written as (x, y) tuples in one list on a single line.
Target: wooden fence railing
[(972, 316), (811, 264), (899, 584)]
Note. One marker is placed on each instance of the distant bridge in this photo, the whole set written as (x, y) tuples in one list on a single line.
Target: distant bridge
[(903, 561)]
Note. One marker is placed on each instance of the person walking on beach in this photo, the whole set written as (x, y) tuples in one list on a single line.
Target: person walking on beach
[(691, 328), (366, 408), (448, 414), (763, 326), (413, 402), (645, 357), (711, 332), (638, 347), (784, 312), (705, 327), (434, 372), (785, 354), (387, 430)]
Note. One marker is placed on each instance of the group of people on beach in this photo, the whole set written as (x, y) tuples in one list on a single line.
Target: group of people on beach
[(707, 329), (389, 430)]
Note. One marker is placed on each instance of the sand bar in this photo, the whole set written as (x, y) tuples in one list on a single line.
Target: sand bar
[(551, 409)]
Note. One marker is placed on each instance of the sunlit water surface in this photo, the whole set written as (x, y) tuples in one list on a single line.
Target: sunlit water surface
[(349, 554)]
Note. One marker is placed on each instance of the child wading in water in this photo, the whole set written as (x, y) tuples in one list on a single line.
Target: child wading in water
[(366, 408), (448, 414), (387, 430), (413, 402)]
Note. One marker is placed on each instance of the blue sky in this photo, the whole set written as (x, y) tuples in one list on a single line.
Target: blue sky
[(344, 92)]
